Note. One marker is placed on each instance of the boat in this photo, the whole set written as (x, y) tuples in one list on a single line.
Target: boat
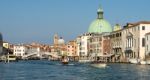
[(148, 62), (84, 61), (143, 62), (134, 61), (65, 60), (138, 61), (99, 64)]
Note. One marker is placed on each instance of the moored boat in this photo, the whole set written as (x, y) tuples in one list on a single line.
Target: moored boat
[(134, 61), (143, 62)]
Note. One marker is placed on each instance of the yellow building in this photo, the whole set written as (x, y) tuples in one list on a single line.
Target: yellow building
[(6, 45), (117, 27)]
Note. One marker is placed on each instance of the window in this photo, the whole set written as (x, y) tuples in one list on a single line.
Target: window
[(138, 27), (135, 42), (143, 42), (134, 28), (132, 42), (120, 33), (143, 27)]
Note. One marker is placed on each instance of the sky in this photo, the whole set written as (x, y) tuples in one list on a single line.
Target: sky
[(26, 21)]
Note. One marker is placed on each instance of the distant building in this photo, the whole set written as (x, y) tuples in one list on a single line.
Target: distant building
[(116, 43), (56, 38), (82, 46), (72, 50), (99, 47), (59, 47), (19, 50), (123, 44), (5, 48), (1, 44), (95, 43)]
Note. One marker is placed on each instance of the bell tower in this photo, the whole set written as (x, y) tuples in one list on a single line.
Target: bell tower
[(56, 40)]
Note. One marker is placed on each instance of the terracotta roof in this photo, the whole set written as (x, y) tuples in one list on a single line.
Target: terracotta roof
[(129, 25), (137, 23), (141, 22)]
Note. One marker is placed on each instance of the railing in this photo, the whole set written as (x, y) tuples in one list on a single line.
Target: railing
[(128, 48), (40, 54)]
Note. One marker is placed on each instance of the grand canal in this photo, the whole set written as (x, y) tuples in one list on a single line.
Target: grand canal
[(48, 70)]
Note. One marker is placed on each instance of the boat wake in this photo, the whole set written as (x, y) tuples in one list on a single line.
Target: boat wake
[(59, 64), (71, 64)]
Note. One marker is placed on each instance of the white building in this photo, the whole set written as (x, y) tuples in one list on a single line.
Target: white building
[(19, 50), (91, 45), (133, 38), (147, 44), (82, 46)]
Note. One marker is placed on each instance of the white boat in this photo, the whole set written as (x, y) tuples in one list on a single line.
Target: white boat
[(148, 62), (84, 61), (99, 65), (143, 62), (134, 61)]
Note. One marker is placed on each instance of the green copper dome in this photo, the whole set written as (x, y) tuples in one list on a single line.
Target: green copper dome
[(100, 25)]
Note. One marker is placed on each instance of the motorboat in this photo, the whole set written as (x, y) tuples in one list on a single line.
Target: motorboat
[(99, 64), (65, 60)]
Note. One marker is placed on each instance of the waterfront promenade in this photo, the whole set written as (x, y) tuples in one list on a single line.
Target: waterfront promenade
[(53, 70)]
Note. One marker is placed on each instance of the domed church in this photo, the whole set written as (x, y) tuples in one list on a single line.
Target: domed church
[(100, 25)]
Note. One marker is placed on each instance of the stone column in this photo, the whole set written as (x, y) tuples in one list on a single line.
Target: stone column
[(128, 42)]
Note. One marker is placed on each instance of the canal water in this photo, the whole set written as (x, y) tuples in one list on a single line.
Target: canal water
[(48, 70)]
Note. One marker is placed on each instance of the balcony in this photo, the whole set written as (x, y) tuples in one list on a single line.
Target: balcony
[(129, 50)]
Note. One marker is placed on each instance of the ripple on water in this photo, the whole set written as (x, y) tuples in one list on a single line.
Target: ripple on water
[(47, 70)]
